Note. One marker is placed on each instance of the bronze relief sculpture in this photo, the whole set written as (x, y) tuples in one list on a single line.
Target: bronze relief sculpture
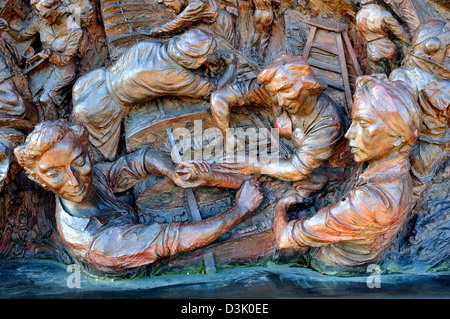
[(357, 131)]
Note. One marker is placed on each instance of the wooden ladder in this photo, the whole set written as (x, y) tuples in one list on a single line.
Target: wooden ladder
[(333, 45)]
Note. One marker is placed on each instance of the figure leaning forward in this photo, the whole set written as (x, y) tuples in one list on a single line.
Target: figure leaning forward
[(104, 97), (102, 233)]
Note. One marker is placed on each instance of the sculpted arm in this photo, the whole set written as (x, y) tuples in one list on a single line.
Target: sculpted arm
[(316, 147), (394, 26), (231, 96), (133, 245), (349, 219), (196, 234), (191, 14), (22, 35), (125, 172)]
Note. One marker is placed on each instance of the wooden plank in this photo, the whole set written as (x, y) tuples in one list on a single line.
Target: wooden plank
[(208, 258), (348, 92), (324, 66), (325, 48), (331, 83), (327, 24), (352, 54), (309, 42)]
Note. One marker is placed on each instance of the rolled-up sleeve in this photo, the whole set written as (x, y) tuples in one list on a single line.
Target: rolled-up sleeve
[(316, 145), (128, 246)]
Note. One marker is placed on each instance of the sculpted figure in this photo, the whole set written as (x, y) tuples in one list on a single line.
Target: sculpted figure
[(60, 36), (104, 97), (375, 24), (193, 12), (100, 231), (263, 20), (11, 102), (357, 230), (405, 9), (427, 72), (12, 113), (307, 115)]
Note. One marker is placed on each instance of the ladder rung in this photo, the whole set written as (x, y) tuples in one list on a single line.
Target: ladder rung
[(325, 48), (331, 83), (324, 66)]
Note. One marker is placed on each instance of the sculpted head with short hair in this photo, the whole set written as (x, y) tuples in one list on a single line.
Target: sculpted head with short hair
[(292, 82), (385, 120), (55, 155)]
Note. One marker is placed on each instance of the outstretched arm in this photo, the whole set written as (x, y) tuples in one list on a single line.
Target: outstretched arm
[(130, 245), (125, 172), (282, 169), (200, 233), (200, 173)]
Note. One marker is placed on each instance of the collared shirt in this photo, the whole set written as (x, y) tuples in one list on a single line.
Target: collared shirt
[(357, 230), (114, 242), (317, 136)]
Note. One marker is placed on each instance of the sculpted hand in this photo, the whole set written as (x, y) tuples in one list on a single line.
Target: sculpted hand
[(188, 175), (289, 199), (249, 196), (229, 58), (45, 54), (4, 25)]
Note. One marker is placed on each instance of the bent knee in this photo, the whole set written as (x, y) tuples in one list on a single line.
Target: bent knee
[(220, 102)]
